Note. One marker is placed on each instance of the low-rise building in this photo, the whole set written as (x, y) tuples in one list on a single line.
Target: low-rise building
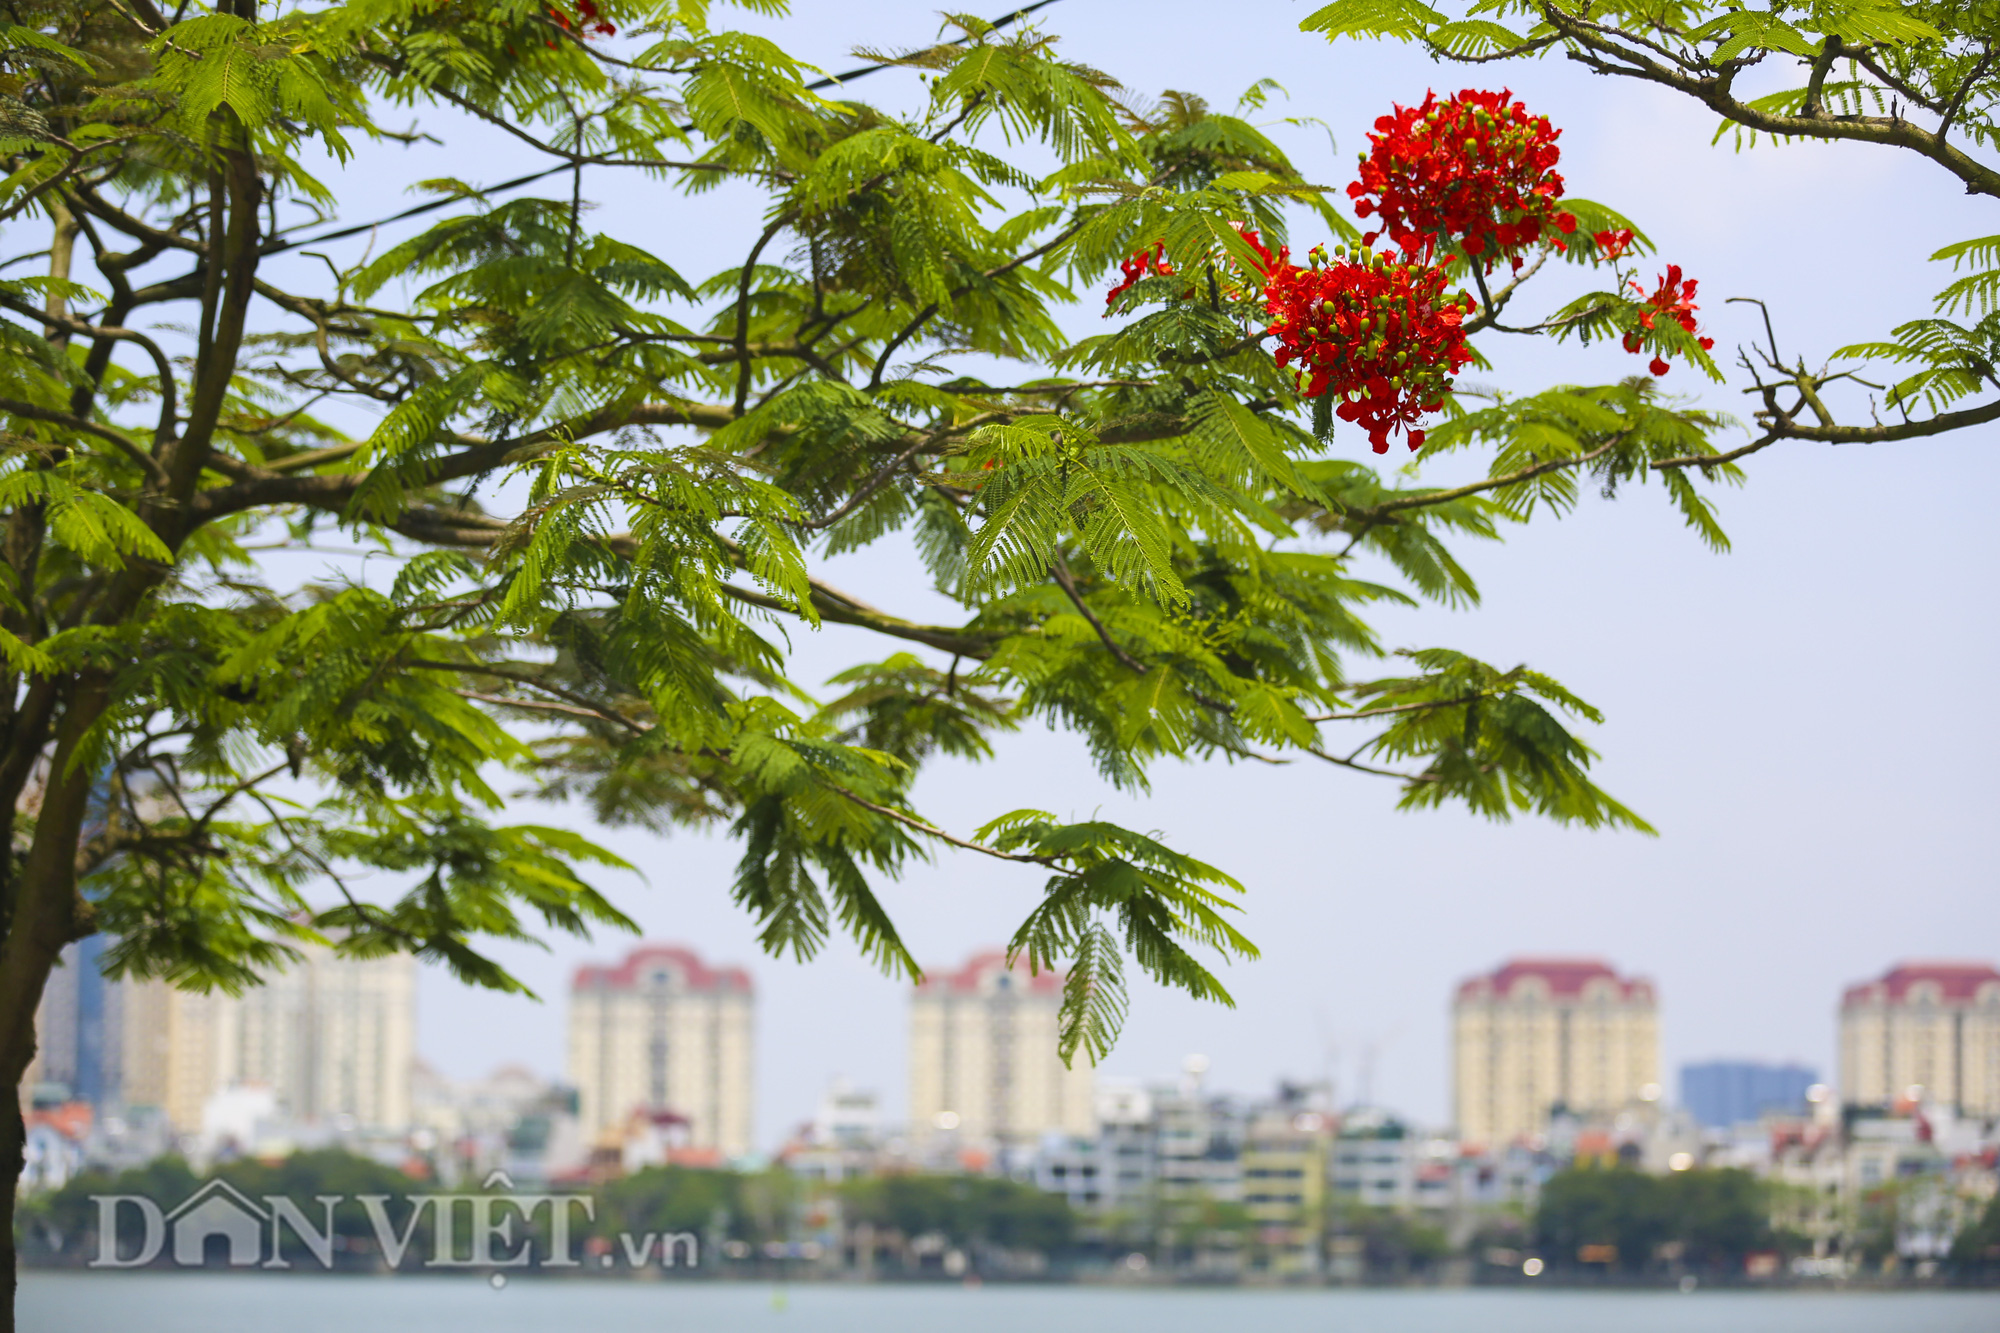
[(57, 1140), (1506, 1179), (512, 1120), (844, 1139), (1284, 1174), (1375, 1159), (1129, 1155), (1197, 1140), (1111, 1172), (1077, 1167)]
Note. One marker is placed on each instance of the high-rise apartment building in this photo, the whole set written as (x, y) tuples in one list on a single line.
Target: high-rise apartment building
[(333, 1038), (664, 1033), (983, 1061), (1542, 1034), (1927, 1030), (78, 1049), (170, 1050)]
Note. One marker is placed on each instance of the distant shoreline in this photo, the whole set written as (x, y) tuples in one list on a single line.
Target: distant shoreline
[(1091, 1280)]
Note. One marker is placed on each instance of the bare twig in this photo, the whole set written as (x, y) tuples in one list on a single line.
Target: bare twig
[(578, 704), (1367, 768), (933, 831), (1388, 709), (1063, 580)]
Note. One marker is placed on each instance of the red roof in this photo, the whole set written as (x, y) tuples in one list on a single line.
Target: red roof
[(1959, 983), (695, 974), (966, 980), (659, 1118), (1564, 977), (71, 1120)]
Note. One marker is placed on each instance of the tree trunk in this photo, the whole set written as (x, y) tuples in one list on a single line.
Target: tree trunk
[(31, 933), (47, 914), (13, 1158), (24, 970)]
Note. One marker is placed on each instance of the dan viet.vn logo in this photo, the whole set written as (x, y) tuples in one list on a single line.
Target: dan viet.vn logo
[(494, 1229)]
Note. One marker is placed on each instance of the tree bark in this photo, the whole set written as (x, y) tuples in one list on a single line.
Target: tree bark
[(48, 914), (13, 1158), (38, 916)]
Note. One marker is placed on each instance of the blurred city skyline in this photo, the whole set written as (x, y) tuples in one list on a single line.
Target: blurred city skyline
[(1693, 1082)]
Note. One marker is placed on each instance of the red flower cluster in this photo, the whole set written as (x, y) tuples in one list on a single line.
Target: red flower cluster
[(1472, 175), (590, 21), (1674, 299), (1612, 244), (1271, 263), (1476, 170), (1379, 332), (1137, 265)]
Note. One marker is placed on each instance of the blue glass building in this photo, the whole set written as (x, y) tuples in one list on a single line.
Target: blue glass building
[(1721, 1093)]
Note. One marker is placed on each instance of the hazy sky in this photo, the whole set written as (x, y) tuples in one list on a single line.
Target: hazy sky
[(1809, 720)]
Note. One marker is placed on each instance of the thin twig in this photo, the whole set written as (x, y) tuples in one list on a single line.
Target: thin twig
[(1429, 498), (577, 703), (540, 706), (235, 791), (1711, 460), (933, 831), (1365, 768), (1396, 708), (1063, 580)]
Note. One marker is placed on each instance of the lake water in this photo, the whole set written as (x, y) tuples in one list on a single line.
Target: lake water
[(245, 1303)]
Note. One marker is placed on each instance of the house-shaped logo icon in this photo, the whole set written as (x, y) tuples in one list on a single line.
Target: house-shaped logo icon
[(218, 1209)]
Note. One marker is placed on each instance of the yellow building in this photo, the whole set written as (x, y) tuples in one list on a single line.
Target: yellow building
[(172, 1058), (983, 1064), (333, 1038), (664, 1033), (1284, 1187), (1924, 1031), (1541, 1034)]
